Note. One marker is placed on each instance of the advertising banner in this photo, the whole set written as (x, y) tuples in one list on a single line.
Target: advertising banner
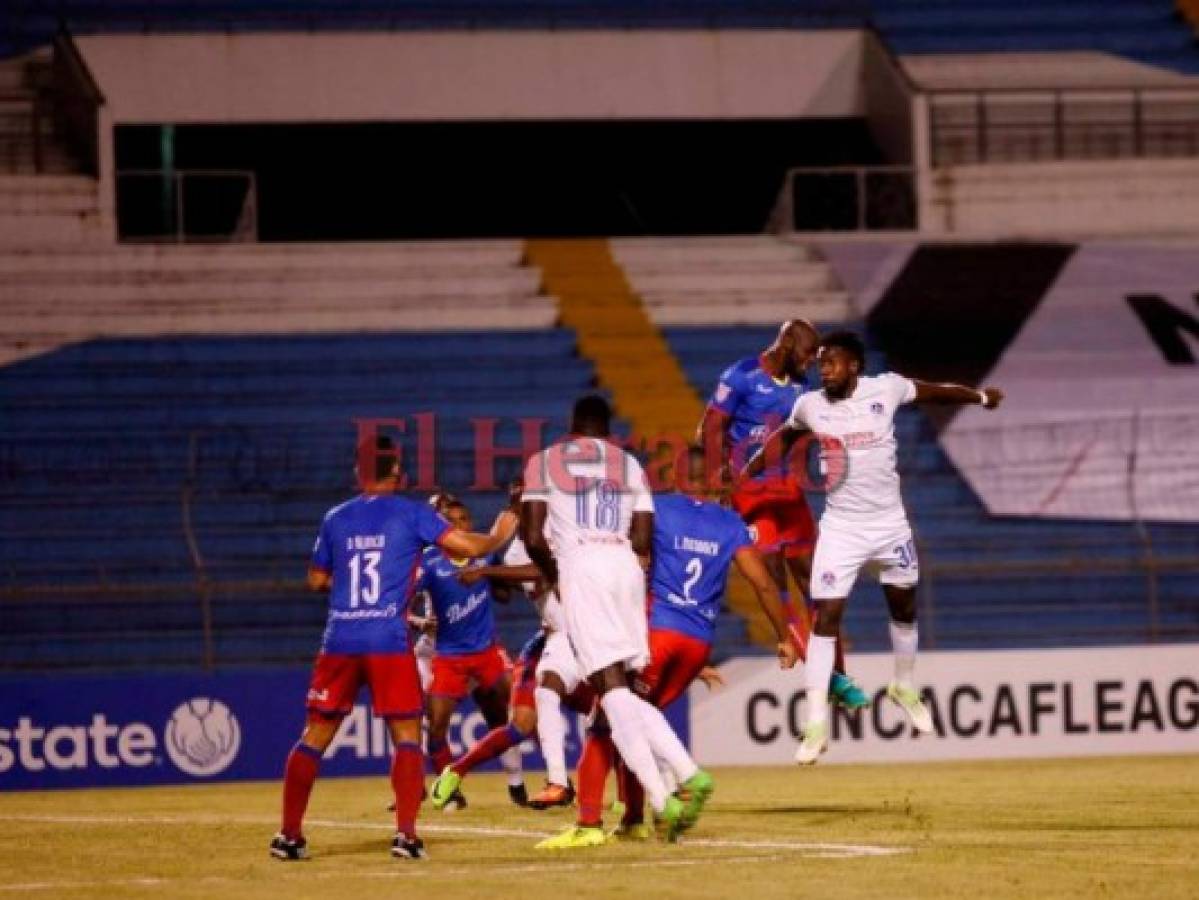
[(986, 705)]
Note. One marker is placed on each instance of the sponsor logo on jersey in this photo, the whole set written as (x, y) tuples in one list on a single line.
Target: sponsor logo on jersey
[(828, 579)]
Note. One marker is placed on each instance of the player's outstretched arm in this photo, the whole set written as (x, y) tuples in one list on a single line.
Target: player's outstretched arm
[(957, 394), (503, 574), (318, 579), (750, 564), (774, 450), (533, 514), (473, 544)]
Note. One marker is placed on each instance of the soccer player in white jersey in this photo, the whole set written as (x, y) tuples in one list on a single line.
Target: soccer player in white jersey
[(589, 499), (864, 521)]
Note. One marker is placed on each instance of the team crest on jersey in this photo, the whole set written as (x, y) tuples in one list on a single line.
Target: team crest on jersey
[(828, 579), (876, 408)]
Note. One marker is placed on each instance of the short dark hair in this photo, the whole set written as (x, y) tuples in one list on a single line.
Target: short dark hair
[(591, 409), (383, 453), (849, 342)]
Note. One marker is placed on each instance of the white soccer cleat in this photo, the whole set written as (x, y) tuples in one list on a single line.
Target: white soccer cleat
[(814, 743), (908, 699)]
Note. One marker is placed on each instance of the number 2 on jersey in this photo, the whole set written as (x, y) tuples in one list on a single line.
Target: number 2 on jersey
[(695, 571), (364, 566)]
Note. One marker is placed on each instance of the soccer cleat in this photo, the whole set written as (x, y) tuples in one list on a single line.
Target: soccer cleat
[(288, 849), (637, 831), (445, 786), (573, 838), (456, 803), (617, 809), (671, 822), (697, 789), (908, 699), (518, 794), (815, 742), (844, 691), (553, 795), (405, 847)]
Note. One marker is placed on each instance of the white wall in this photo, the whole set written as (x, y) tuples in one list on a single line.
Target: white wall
[(1076, 198), (440, 76)]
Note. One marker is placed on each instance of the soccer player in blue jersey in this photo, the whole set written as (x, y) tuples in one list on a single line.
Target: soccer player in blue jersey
[(695, 542), (467, 658), (754, 397), (366, 557)]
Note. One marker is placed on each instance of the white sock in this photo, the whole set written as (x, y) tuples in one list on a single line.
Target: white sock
[(628, 734), (904, 638), (551, 732), (665, 743), (818, 670), (512, 760)]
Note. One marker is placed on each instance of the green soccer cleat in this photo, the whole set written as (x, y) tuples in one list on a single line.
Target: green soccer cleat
[(698, 788), (617, 809), (844, 691), (445, 786), (908, 699), (637, 832), (574, 838), (814, 743), (670, 822)]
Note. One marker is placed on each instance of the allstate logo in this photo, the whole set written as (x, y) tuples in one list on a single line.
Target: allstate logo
[(202, 737)]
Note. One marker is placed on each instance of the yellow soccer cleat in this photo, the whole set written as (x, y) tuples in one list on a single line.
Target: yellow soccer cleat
[(574, 838)]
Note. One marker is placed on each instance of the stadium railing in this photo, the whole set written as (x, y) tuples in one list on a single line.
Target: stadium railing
[(1034, 124)]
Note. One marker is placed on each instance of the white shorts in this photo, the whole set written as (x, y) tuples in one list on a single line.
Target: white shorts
[(842, 551), (603, 596), (558, 657)]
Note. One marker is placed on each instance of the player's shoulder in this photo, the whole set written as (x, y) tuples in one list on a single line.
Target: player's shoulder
[(741, 369), (345, 508), (884, 381)]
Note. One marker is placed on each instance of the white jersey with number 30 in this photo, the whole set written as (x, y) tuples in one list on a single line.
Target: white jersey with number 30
[(592, 488), (864, 423)]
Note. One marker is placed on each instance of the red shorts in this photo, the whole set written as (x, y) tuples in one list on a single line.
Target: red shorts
[(392, 678), (452, 675), (778, 514), (675, 660)]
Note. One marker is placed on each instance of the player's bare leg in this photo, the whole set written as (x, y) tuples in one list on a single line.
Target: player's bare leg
[(508, 734), (408, 782), (818, 671), (901, 601), (303, 763), (842, 688), (550, 696)]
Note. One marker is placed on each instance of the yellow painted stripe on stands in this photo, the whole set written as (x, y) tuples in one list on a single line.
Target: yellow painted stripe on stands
[(633, 361)]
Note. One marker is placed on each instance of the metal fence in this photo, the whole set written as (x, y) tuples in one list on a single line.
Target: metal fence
[(1019, 125)]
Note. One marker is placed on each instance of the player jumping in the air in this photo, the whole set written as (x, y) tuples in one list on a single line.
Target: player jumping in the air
[(864, 521), (589, 499), (365, 557), (753, 397), (696, 541)]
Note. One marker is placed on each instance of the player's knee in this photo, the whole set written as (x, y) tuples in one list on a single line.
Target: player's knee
[(552, 681), (319, 732), (902, 603), (828, 618), (524, 720)]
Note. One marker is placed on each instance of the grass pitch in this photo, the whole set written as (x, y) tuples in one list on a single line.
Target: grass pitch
[(1064, 828)]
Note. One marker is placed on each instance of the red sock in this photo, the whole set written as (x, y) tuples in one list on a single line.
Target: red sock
[(632, 793), (408, 783), (439, 756), (594, 766), (302, 765), (493, 744)]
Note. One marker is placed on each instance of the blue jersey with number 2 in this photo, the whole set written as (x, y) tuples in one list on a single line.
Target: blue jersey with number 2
[(694, 543)]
